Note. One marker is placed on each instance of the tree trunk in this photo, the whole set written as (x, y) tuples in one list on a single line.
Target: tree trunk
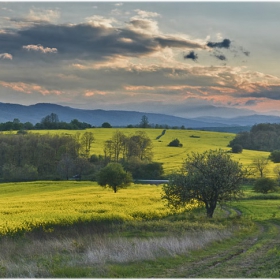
[(210, 208)]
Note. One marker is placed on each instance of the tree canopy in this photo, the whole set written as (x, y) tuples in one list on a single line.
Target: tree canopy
[(114, 176), (210, 178)]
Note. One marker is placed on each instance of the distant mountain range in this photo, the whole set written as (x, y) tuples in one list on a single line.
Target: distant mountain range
[(35, 113)]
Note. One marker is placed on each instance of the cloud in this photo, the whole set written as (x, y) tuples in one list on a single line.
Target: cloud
[(224, 44), (29, 88), (268, 92), (247, 53), (251, 102), (40, 48), (177, 42), (146, 14), (220, 56), (191, 55), (100, 21), (38, 16), (6, 56), (96, 40)]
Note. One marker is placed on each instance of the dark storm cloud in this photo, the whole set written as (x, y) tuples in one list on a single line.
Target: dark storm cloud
[(191, 55), (88, 42), (220, 56), (224, 44), (245, 52), (176, 43)]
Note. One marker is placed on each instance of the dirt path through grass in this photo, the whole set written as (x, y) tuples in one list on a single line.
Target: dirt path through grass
[(256, 255)]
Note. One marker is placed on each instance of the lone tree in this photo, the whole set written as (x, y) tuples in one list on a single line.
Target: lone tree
[(260, 165), (144, 122), (209, 178), (114, 176), (265, 185)]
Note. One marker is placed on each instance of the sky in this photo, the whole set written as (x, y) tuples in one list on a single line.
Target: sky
[(179, 58)]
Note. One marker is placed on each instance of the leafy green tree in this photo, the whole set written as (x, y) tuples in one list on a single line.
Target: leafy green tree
[(144, 122), (260, 165), (175, 143), (65, 166), (265, 185), (209, 178), (114, 176), (276, 170), (237, 149), (275, 156), (106, 125), (86, 141)]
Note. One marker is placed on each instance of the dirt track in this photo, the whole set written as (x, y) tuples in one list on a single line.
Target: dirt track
[(246, 259)]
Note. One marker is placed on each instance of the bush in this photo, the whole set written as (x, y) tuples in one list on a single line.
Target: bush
[(144, 170), (175, 143), (237, 149), (265, 185), (275, 156), (12, 173)]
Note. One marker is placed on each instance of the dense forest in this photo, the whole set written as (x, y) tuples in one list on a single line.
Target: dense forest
[(261, 137)]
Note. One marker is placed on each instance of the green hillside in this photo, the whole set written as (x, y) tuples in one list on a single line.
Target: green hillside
[(173, 157)]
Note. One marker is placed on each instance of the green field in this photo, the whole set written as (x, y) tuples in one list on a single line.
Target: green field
[(173, 157), (58, 228)]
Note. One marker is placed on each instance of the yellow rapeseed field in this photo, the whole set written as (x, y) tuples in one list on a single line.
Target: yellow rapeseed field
[(25, 206)]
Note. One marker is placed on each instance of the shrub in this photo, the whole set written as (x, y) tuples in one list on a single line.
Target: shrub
[(13, 173), (237, 149), (175, 143), (144, 170), (275, 156), (265, 185)]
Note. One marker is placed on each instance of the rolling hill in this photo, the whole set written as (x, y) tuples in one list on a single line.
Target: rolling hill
[(118, 118)]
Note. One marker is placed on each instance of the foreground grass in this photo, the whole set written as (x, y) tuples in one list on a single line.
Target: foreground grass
[(129, 249), (169, 246)]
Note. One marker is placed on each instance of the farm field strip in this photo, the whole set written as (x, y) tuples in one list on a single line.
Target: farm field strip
[(25, 206)]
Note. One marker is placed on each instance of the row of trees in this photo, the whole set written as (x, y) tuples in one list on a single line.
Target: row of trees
[(33, 156), (49, 122), (261, 137), (60, 156)]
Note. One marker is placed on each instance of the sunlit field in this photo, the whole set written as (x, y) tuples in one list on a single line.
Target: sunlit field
[(30, 205), (173, 157)]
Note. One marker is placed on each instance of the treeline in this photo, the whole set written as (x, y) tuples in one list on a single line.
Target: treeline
[(49, 122), (135, 154), (33, 156), (26, 157), (261, 137)]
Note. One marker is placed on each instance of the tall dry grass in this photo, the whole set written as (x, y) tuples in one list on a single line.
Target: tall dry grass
[(35, 258)]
